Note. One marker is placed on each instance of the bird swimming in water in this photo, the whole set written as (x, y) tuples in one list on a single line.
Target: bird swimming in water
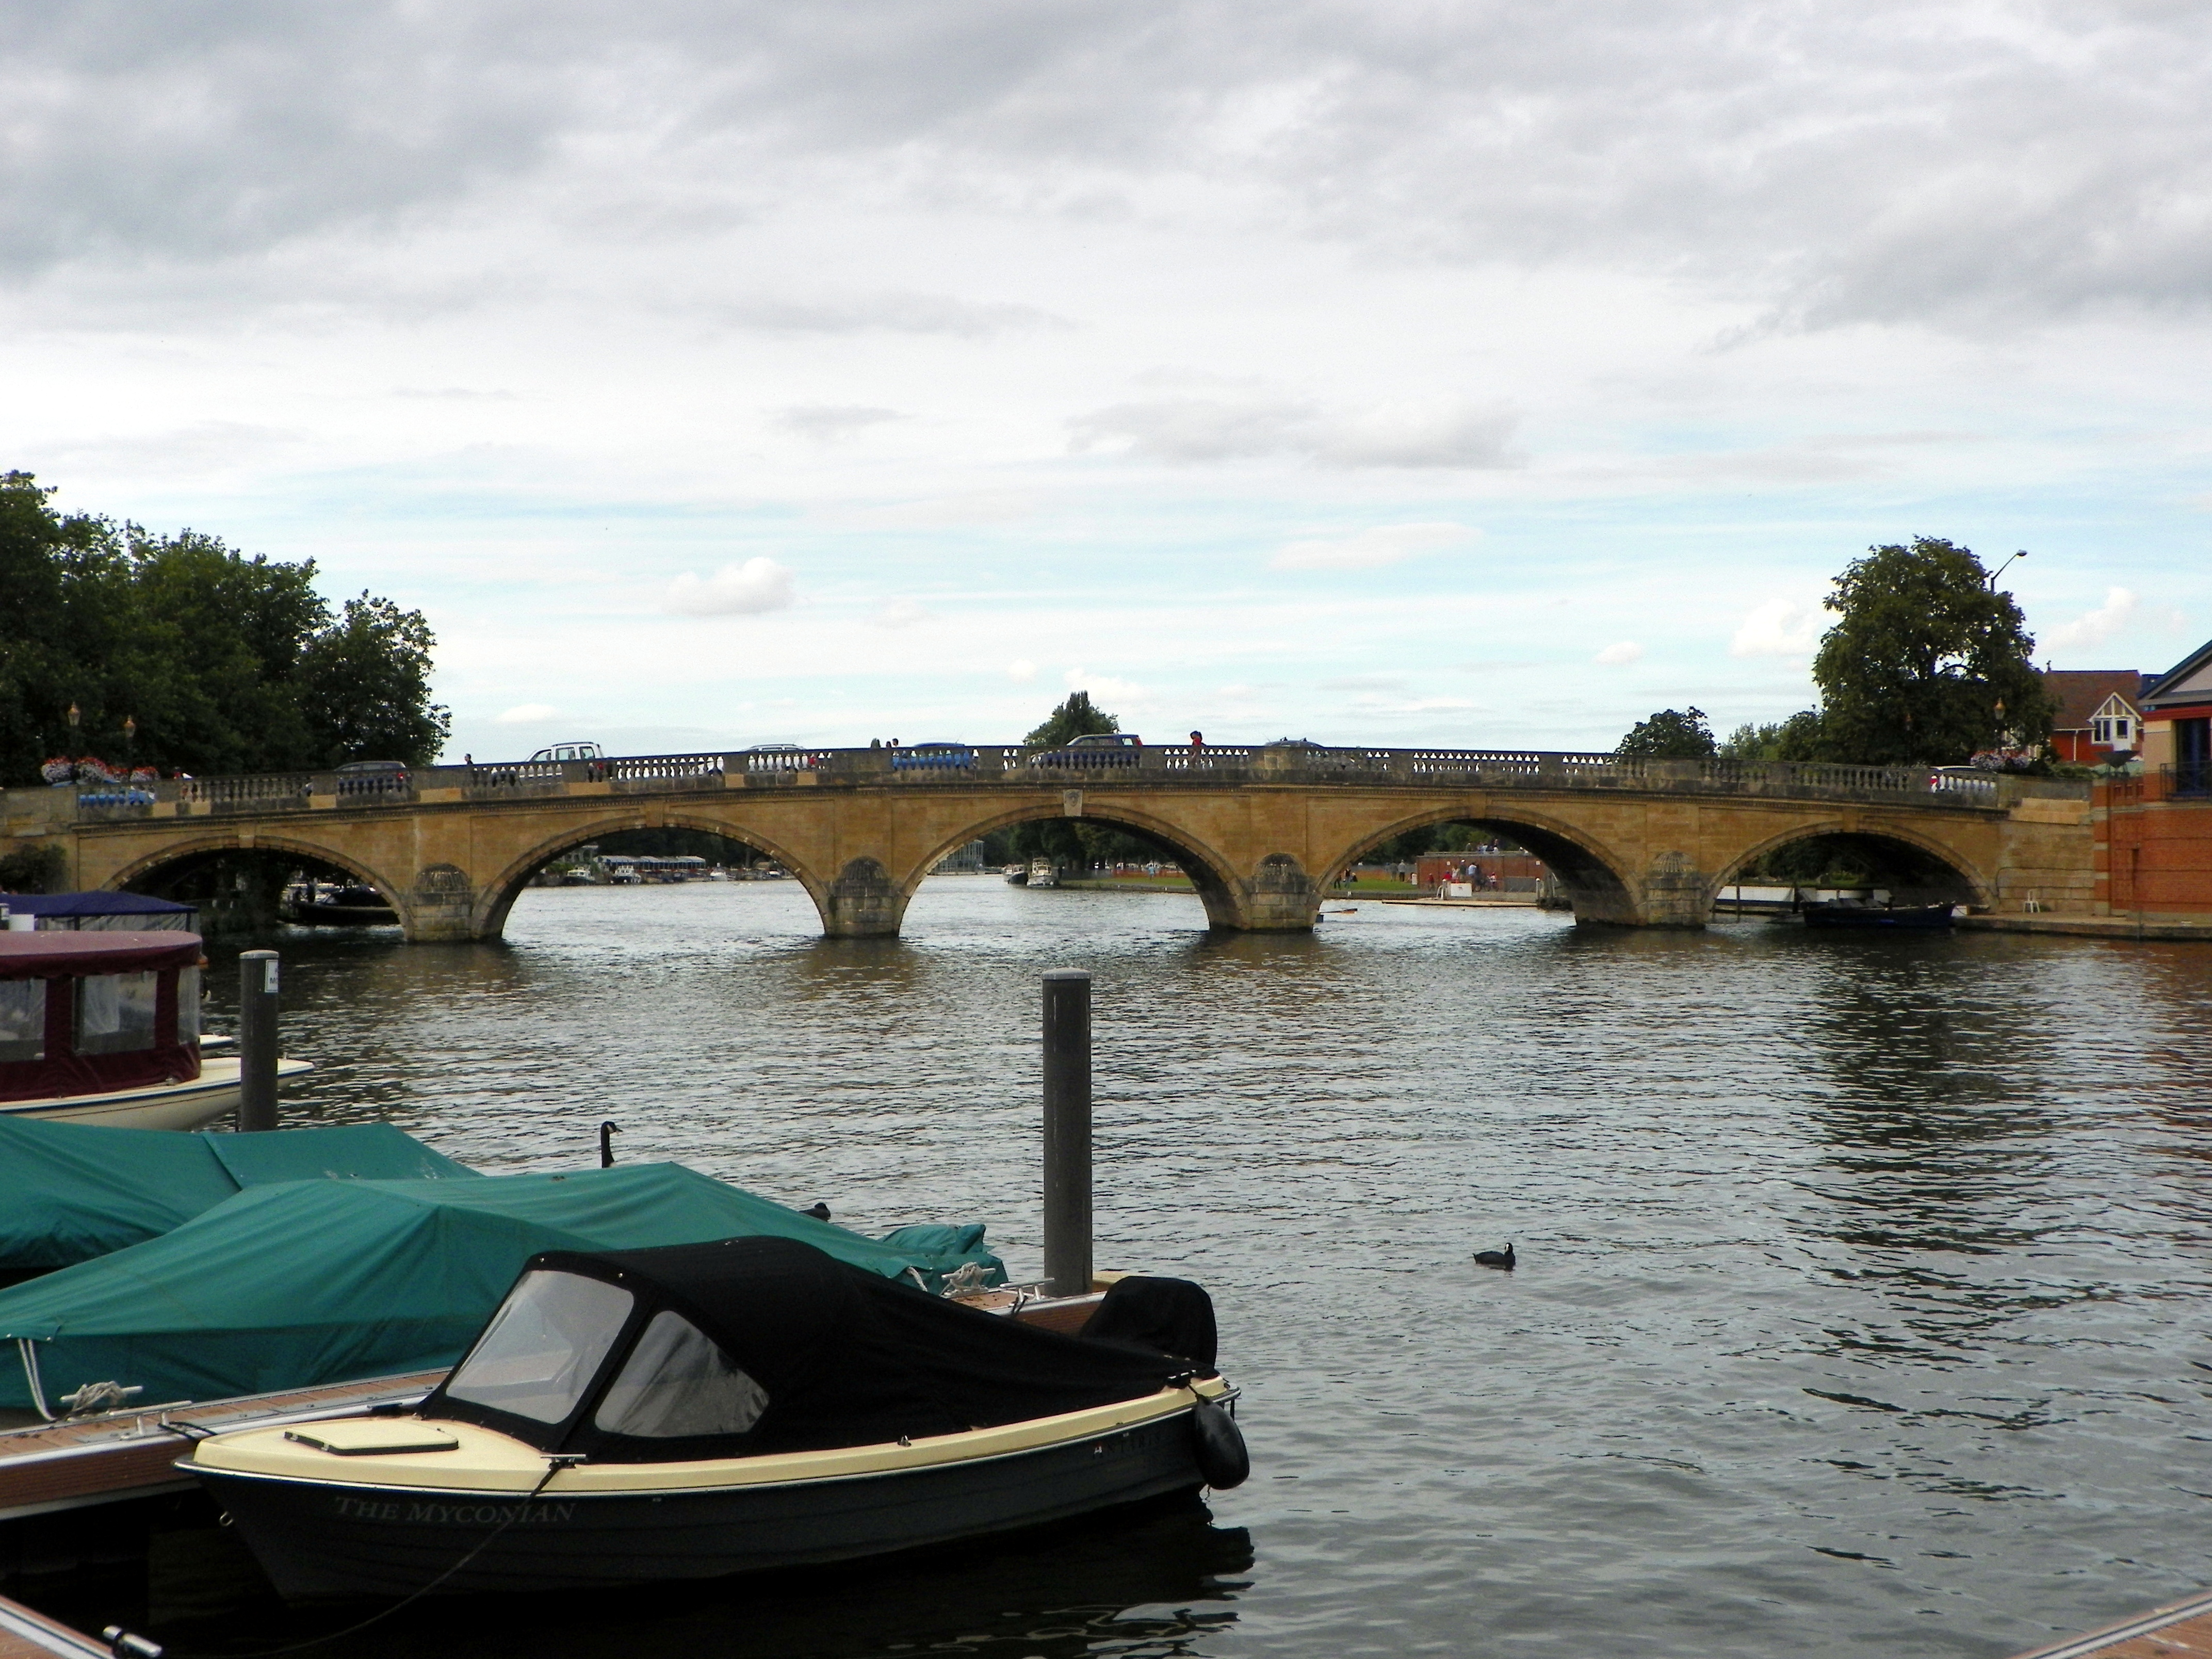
[(819, 1212), (1496, 1258)]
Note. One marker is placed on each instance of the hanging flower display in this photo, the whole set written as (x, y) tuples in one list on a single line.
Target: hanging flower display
[(90, 769), (59, 771), (144, 774)]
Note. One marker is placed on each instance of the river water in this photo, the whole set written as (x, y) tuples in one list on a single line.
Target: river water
[(1860, 1306)]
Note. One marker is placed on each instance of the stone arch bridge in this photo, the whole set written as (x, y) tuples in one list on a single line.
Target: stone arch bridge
[(1262, 832)]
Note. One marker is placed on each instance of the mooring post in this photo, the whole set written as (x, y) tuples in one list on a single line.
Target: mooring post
[(1068, 1131), (257, 1040)]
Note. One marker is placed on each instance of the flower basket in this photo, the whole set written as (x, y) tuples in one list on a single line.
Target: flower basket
[(145, 774), (59, 771), (90, 769)]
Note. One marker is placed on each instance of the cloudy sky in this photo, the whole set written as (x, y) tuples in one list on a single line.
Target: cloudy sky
[(1477, 373)]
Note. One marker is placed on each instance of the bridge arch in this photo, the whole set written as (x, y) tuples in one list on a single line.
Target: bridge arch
[(496, 897), (1917, 868), (1211, 874), (1587, 869), (202, 847)]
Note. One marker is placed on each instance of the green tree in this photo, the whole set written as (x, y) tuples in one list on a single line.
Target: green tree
[(1800, 738), (1928, 662), (1078, 717), (364, 686), (220, 662), (1670, 734)]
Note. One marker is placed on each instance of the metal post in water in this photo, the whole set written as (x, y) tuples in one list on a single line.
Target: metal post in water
[(1068, 1131), (257, 1040)]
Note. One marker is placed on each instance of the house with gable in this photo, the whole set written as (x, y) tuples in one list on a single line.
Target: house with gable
[(2154, 831), (2099, 718)]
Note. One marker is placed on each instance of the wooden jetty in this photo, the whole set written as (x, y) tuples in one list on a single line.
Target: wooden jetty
[(2182, 1630)]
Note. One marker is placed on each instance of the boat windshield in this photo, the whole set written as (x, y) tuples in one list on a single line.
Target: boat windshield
[(543, 1345), (677, 1382)]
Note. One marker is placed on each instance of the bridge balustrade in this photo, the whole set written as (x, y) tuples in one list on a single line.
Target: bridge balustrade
[(262, 789), (1214, 765)]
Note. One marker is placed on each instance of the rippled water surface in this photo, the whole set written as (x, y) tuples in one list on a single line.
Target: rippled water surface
[(1862, 1288)]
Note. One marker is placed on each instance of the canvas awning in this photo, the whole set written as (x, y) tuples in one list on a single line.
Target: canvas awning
[(70, 1191), (304, 1282)]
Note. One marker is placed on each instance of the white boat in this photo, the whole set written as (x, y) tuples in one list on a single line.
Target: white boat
[(1042, 874), (103, 1027)]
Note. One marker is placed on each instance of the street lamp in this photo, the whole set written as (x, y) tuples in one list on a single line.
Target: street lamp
[(2000, 570), (76, 714), (130, 740)]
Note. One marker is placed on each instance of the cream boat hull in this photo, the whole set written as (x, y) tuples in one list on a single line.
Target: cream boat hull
[(159, 1105), (324, 1524)]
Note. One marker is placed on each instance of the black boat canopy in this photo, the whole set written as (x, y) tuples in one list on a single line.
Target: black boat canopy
[(753, 1345)]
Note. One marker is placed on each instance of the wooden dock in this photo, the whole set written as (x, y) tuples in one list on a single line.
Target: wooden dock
[(2182, 1630)]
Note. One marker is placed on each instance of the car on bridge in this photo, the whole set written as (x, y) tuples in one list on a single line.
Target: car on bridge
[(1095, 752), (571, 752), (375, 778), (935, 758)]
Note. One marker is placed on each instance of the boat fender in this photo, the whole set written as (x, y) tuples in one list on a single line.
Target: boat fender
[(1219, 1443)]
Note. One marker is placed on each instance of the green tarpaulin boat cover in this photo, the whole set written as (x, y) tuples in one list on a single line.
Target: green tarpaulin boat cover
[(304, 1282), (70, 1191)]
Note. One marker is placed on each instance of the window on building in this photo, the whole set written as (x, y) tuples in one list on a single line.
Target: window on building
[(2113, 730)]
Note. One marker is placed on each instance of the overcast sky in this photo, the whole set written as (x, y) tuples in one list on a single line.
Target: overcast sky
[(1482, 374)]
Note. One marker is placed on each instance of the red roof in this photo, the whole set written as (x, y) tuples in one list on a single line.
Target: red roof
[(69, 954), (2080, 692)]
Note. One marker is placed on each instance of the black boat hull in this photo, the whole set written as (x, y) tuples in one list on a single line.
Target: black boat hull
[(342, 915), (318, 1539), (1911, 915)]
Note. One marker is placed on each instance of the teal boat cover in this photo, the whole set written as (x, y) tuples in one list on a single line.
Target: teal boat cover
[(304, 1282), (70, 1191)]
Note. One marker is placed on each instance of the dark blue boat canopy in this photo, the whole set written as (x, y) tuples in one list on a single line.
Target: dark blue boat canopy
[(753, 1345)]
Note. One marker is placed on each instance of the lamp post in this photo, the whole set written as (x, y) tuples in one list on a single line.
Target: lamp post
[(130, 741), (2000, 570)]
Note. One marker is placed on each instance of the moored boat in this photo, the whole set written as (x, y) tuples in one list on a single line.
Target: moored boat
[(103, 1027), (1850, 913), (323, 904), (700, 1410)]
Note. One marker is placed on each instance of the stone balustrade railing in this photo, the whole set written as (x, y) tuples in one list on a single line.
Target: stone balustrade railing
[(1214, 765)]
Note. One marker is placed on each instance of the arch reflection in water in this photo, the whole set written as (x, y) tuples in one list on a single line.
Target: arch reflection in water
[(1144, 1583)]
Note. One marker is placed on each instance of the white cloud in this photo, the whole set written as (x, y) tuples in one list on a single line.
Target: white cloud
[(736, 590), (1115, 695), (1371, 550), (1415, 706), (526, 713), (1021, 670), (827, 422), (1624, 651), (902, 613), (1436, 433), (1778, 628), (2093, 628)]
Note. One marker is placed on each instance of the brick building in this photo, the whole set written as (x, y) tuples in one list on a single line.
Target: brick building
[(2100, 718), (2155, 830)]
